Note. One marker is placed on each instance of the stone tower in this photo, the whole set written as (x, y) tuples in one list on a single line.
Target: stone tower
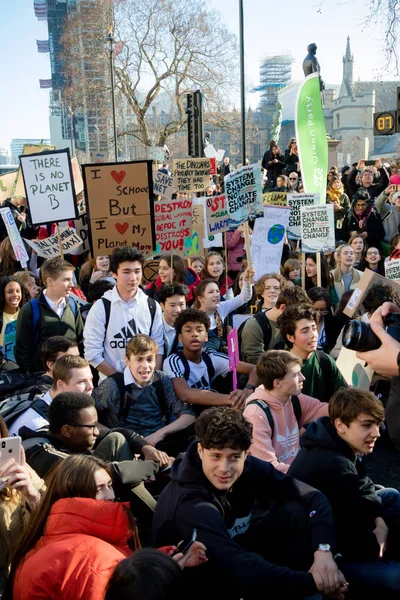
[(347, 82)]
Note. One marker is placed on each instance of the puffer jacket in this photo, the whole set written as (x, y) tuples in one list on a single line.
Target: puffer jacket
[(83, 541)]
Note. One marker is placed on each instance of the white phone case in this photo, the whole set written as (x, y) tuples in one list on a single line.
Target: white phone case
[(10, 447)]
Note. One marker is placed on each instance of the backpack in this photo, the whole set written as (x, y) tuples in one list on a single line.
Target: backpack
[(15, 381), (125, 400), (206, 357), (152, 304), (13, 407), (36, 316), (265, 325), (262, 404)]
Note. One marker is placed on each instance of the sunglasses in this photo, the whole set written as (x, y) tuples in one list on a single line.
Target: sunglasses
[(293, 178)]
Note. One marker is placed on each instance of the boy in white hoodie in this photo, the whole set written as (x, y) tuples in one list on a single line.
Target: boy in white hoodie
[(278, 410)]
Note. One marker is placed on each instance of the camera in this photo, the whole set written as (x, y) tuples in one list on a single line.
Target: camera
[(360, 337)]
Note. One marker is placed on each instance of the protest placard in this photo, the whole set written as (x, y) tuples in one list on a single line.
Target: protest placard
[(9, 339), (77, 175), (217, 215), (19, 188), (392, 269), (191, 174), (120, 206), (162, 184), (213, 166), (317, 228), (233, 354), (81, 227), (275, 199), (50, 246), (16, 241), (194, 243), (49, 186), (173, 219), (295, 201), (244, 193), (267, 240), (6, 185)]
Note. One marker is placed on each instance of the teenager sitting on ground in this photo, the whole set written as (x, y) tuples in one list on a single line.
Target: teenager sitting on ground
[(144, 400), (366, 519), (215, 488), (193, 371), (298, 325), (278, 410)]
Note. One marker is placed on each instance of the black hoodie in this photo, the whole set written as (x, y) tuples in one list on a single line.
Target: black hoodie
[(189, 501), (327, 462)]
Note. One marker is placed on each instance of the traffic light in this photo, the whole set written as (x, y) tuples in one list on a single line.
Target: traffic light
[(194, 110), (388, 121)]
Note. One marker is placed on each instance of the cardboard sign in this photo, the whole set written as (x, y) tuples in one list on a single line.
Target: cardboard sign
[(173, 219), (120, 206), (217, 215), (16, 241), (244, 193), (81, 227), (392, 269), (162, 184), (267, 240), (368, 278), (295, 202), (49, 186), (233, 354), (6, 185), (275, 199), (50, 247), (317, 228), (19, 188), (191, 174), (77, 175)]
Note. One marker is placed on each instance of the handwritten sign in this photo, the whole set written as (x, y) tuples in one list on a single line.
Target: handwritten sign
[(244, 193), (173, 219), (77, 175), (191, 174), (120, 206), (295, 202), (317, 228), (267, 240), (10, 335), (233, 354), (49, 186), (6, 185), (50, 247), (13, 233), (217, 215), (392, 269), (275, 199), (19, 188), (162, 184), (81, 227), (194, 243)]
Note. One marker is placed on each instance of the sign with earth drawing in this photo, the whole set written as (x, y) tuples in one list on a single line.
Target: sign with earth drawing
[(267, 240)]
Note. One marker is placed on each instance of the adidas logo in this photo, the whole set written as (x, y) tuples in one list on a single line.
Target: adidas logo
[(290, 439), (126, 334)]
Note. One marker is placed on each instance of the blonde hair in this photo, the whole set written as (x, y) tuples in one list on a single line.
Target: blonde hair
[(140, 344)]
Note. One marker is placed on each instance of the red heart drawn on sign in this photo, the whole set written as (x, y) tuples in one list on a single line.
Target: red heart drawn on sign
[(118, 176), (121, 227)]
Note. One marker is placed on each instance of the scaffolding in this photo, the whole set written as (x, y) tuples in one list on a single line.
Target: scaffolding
[(275, 74)]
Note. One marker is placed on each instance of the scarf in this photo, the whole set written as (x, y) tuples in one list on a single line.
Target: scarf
[(334, 195), (363, 216)]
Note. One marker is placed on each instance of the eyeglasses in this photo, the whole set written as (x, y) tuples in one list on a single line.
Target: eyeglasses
[(293, 178), (322, 313), (372, 253), (93, 427)]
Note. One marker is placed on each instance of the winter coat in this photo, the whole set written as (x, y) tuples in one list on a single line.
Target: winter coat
[(27, 230), (373, 226), (221, 518), (192, 280), (283, 447), (390, 216), (373, 190), (327, 462), (83, 541)]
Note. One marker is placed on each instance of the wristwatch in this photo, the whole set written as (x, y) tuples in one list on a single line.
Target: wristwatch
[(250, 387), (324, 548)]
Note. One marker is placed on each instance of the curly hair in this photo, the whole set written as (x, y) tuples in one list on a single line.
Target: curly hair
[(291, 315), (223, 427), (191, 315)]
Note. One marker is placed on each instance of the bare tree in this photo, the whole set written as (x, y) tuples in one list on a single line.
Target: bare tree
[(387, 14), (164, 48)]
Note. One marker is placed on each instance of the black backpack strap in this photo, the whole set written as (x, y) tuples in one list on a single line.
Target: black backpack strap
[(152, 304), (41, 408), (107, 310), (185, 365), (296, 407), (160, 393), (123, 401), (267, 411), (265, 325), (210, 367)]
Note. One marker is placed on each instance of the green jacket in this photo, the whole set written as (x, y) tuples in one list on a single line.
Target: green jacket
[(319, 384), (27, 353)]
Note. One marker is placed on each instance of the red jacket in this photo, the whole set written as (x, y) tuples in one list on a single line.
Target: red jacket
[(83, 541), (192, 280)]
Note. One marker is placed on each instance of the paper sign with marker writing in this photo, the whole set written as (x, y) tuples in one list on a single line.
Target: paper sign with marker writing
[(77, 175), (295, 202), (267, 240), (191, 174), (392, 269), (162, 184), (244, 193), (173, 220), (275, 199), (16, 241), (194, 243), (217, 215), (119, 199), (317, 228), (233, 354), (19, 188), (49, 186), (6, 185), (50, 247)]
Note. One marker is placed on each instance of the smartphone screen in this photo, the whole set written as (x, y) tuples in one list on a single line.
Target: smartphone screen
[(185, 545), (369, 163), (10, 447)]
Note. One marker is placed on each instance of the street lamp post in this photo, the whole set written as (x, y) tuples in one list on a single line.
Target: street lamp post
[(110, 39), (242, 82)]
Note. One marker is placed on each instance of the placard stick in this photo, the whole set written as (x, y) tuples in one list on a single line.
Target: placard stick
[(226, 267), (59, 241), (248, 248), (319, 269), (172, 266), (303, 271)]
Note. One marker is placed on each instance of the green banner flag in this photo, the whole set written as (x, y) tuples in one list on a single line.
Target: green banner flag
[(312, 142)]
